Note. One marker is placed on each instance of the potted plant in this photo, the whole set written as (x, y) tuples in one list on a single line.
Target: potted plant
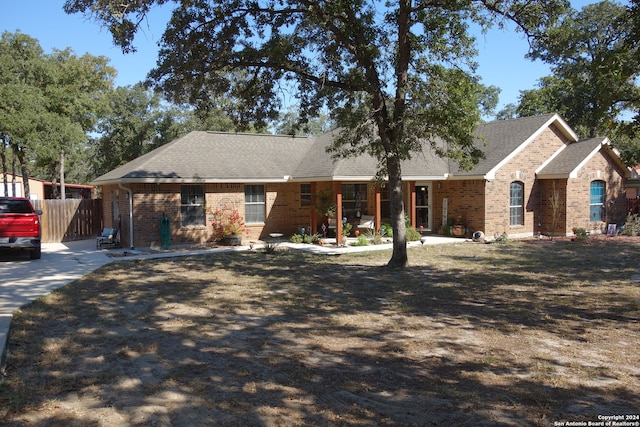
[(325, 204), (228, 225)]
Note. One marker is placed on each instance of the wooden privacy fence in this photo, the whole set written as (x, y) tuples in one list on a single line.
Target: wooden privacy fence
[(71, 219)]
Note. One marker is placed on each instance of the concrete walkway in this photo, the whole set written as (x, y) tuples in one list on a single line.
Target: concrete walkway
[(23, 280)]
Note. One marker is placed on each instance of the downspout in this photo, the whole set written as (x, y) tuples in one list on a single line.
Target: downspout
[(130, 213)]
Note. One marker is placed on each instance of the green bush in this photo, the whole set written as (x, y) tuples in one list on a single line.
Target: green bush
[(374, 237), (632, 226), (305, 238), (501, 238), (346, 228), (413, 234), (581, 233), (447, 228), (361, 240), (386, 230)]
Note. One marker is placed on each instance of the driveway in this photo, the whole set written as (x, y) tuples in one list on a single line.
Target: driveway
[(23, 280)]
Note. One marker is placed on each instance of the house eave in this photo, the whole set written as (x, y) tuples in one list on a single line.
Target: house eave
[(633, 183), (196, 180), (556, 176), (468, 177), (424, 178), (352, 178), (341, 178)]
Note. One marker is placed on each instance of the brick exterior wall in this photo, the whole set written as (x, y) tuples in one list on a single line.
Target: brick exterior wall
[(284, 212), (598, 168), (465, 203), (522, 169), (554, 209), (484, 205)]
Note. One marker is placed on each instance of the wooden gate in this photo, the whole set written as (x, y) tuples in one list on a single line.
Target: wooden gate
[(71, 219)]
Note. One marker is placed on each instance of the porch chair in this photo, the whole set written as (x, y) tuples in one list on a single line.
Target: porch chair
[(367, 222), (109, 237)]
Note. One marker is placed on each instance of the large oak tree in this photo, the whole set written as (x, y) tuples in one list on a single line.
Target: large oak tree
[(392, 74), (49, 103)]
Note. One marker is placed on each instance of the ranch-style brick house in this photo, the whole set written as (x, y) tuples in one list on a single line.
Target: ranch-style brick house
[(536, 178)]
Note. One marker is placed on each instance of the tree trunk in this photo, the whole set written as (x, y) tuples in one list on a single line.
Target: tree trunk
[(55, 194), (25, 172), (13, 169), (63, 192), (394, 130), (399, 258), (3, 154)]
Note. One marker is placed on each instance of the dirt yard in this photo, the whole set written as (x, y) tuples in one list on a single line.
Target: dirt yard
[(533, 333)]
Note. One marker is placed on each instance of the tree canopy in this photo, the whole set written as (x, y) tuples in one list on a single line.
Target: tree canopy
[(50, 102), (595, 69), (391, 74), (62, 109)]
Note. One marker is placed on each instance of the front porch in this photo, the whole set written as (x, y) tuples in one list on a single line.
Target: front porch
[(358, 203)]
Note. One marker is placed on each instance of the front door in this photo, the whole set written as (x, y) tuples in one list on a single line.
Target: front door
[(423, 206)]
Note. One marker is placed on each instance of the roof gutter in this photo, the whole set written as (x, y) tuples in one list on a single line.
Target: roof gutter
[(130, 213), (195, 180)]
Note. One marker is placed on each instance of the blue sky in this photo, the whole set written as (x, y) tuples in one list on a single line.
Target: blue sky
[(501, 58)]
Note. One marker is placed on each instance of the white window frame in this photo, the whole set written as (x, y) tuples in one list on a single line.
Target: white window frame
[(192, 204), (516, 211), (599, 204), (255, 204)]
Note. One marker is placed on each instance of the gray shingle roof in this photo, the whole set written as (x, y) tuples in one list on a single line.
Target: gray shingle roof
[(319, 165), (231, 157), (214, 156), (568, 160)]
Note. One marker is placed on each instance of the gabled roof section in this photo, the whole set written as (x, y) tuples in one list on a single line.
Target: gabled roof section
[(503, 139), (216, 157), (568, 162)]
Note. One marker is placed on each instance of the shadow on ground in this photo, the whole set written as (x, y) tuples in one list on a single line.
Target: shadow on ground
[(517, 334)]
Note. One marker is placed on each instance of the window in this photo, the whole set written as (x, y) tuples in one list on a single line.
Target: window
[(516, 205), (305, 194), (15, 206), (254, 205), (422, 206), (596, 201), (354, 199), (192, 205)]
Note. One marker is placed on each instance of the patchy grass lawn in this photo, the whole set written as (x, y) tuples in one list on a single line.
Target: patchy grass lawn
[(524, 333)]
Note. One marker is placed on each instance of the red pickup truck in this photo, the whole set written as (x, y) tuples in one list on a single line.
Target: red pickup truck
[(20, 226)]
